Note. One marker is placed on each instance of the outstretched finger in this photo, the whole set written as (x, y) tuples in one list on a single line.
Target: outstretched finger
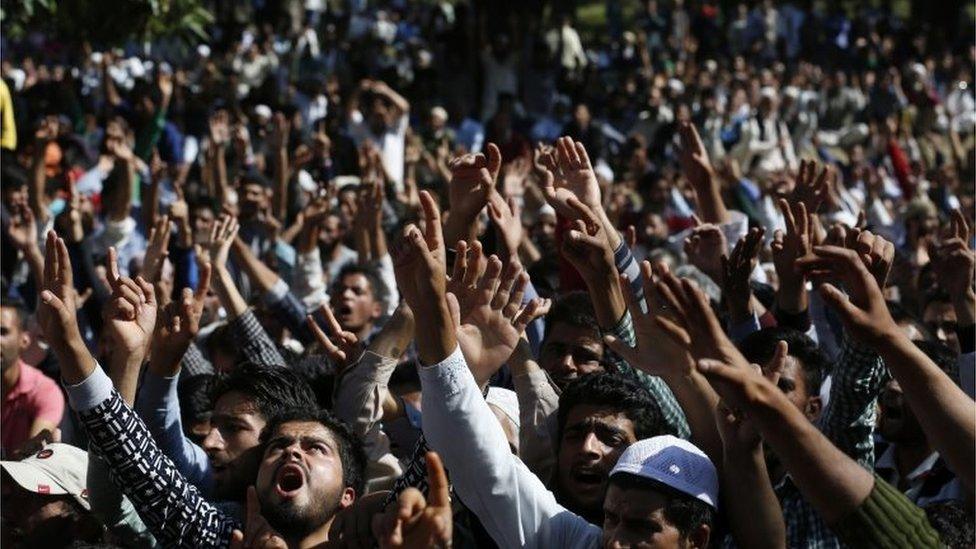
[(203, 286), (112, 266), (433, 233), (494, 162), (774, 368), (330, 319), (331, 348), (65, 274), (517, 295), (510, 275), (51, 260), (438, 493)]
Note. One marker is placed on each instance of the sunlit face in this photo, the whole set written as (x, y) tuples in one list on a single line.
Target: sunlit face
[(569, 352), (634, 517), (203, 220), (299, 483), (793, 383), (232, 443), (592, 440), (355, 304)]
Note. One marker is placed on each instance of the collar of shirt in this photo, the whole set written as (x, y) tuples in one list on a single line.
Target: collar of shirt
[(887, 463)]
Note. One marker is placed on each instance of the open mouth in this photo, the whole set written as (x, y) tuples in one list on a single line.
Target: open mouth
[(343, 311), (290, 480), (587, 477)]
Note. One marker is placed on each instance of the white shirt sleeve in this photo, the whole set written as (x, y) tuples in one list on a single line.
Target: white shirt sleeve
[(513, 505)]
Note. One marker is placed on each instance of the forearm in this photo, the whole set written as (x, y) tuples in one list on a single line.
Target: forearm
[(608, 298), (230, 298), (698, 401), (710, 202), (158, 406), (435, 333), (281, 183), (396, 335), (263, 277), (174, 511), (124, 367), (945, 413), (832, 482), (791, 296), (118, 209), (754, 512)]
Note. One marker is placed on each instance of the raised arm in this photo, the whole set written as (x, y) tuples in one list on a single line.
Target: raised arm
[(698, 169), (858, 506), (511, 502), (174, 511), (945, 412)]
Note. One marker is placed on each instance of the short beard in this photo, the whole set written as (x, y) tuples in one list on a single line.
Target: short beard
[(295, 522)]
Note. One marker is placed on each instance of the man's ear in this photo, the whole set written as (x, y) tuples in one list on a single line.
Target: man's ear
[(813, 408), (25, 340), (699, 536), (348, 498)]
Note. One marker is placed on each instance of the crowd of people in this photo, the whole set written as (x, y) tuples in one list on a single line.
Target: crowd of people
[(457, 274)]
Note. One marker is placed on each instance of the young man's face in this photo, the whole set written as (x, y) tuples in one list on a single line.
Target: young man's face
[(254, 198), (231, 444), (203, 220), (940, 319), (13, 340), (354, 304), (897, 423), (570, 352), (592, 440), (793, 383), (634, 517), (299, 483)]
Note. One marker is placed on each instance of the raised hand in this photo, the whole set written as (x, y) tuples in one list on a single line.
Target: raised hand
[(280, 128), (787, 248), (811, 189), (257, 534), (566, 172), (694, 158), (22, 230), (222, 234), (56, 312), (219, 128), (877, 253), (662, 348), (739, 434), (700, 330), (348, 349), (131, 312), (177, 325), (418, 264), (416, 523), (506, 216), (473, 178), (705, 246), (736, 270), (954, 264), (157, 250), (863, 309), (487, 310), (587, 246)]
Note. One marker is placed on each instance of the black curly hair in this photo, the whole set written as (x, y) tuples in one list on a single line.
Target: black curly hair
[(272, 389), (759, 348), (616, 392)]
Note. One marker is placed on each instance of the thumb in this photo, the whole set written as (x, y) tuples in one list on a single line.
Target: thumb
[(838, 300), (236, 540), (716, 370), (454, 308), (494, 160)]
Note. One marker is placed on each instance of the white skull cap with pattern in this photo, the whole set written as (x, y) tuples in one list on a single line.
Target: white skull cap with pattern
[(674, 462)]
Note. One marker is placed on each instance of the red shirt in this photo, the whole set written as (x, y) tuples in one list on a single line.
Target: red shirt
[(35, 396)]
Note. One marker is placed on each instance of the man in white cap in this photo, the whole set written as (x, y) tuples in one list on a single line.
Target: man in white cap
[(45, 501)]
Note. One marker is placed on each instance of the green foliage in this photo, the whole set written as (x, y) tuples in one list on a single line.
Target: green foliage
[(108, 23)]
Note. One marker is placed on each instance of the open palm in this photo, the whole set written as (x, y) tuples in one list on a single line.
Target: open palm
[(131, 311)]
